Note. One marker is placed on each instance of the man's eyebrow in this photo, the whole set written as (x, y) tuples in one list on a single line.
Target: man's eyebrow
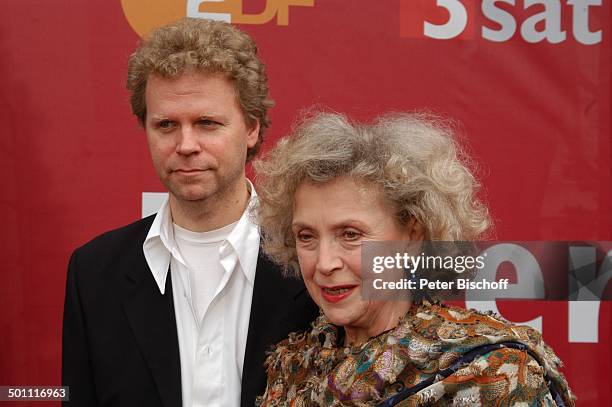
[(158, 117), (213, 115)]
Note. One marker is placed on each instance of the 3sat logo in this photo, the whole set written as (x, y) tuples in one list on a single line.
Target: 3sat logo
[(534, 21), (145, 15)]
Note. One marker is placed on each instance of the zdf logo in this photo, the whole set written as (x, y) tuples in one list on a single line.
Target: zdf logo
[(534, 21), (145, 15)]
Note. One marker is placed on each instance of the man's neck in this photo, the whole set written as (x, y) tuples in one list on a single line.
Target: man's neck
[(209, 214)]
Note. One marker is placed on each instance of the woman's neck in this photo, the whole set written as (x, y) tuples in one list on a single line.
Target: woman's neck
[(387, 317)]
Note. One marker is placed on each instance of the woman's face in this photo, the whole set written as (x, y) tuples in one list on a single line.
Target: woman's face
[(330, 222)]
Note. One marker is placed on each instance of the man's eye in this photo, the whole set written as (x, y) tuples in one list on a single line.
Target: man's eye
[(208, 123), (165, 124)]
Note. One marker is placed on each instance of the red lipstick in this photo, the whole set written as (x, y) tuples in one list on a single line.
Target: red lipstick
[(337, 293)]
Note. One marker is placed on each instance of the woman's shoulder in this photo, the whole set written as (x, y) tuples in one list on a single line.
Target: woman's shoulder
[(483, 348), (438, 334), (295, 364), (482, 351), (458, 330), (455, 325), (505, 376), (322, 335)]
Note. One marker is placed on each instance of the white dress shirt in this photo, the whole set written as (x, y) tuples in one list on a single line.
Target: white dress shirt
[(212, 314)]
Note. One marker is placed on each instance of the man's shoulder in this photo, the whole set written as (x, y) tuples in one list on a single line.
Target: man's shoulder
[(117, 240)]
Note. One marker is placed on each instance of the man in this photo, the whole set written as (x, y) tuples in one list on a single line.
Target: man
[(179, 308)]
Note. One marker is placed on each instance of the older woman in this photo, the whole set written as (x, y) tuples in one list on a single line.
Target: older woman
[(330, 187)]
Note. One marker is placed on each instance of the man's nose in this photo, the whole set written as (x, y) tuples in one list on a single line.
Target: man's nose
[(329, 258), (188, 142)]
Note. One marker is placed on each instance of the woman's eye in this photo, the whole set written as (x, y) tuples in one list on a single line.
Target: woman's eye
[(351, 234), (304, 237)]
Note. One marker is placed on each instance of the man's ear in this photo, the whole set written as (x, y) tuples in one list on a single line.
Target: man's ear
[(253, 134)]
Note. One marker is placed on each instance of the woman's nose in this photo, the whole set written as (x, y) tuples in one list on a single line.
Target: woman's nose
[(328, 257)]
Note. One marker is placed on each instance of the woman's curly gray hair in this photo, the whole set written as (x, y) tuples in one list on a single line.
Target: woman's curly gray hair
[(413, 157)]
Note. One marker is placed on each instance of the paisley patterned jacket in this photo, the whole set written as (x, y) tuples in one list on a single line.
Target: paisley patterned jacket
[(314, 369)]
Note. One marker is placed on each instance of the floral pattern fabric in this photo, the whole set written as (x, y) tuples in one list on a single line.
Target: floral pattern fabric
[(315, 369)]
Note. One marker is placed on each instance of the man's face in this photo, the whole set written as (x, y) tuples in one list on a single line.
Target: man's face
[(197, 135)]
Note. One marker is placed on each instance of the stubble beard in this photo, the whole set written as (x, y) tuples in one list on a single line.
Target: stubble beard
[(211, 198)]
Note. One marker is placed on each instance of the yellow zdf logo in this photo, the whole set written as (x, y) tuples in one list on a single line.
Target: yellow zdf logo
[(144, 15)]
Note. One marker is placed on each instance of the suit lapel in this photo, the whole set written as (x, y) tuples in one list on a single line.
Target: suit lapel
[(151, 317), (279, 306), (274, 297)]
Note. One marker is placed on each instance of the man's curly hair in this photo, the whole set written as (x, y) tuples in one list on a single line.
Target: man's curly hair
[(203, 46)]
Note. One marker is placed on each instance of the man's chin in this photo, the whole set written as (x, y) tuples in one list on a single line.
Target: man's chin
[(192, 196)]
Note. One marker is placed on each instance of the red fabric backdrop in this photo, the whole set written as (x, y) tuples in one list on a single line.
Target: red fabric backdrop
[(528, 82)]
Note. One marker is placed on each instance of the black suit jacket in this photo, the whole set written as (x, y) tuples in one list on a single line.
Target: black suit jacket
[(120, 345)]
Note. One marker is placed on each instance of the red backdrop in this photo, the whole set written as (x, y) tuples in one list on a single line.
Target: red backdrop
[(528, 83)]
